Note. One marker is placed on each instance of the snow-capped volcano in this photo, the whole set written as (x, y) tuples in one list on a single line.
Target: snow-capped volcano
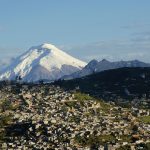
[(44, 62)]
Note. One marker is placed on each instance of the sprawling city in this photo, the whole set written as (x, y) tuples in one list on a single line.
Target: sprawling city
[(47, 117), (74, 75)]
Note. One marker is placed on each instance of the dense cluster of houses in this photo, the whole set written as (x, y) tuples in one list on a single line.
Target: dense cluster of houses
[(47, 117)]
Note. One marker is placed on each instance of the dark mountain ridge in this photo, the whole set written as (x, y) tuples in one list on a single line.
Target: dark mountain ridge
[(123, 84)]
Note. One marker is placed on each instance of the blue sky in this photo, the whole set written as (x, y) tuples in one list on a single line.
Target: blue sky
[(87, 29)]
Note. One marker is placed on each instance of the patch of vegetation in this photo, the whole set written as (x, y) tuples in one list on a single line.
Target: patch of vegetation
[(64, 108), (125, 138), (82, 97), (70, 104), (2, 135), (106, 138), (75, 119), (104, 106), (145, 119), (5, 105), (125, 147), (93, 139), (5, 118)]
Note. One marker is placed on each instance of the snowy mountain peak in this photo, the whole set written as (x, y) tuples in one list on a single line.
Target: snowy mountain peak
[(43, 62), (48, 46), (44, 47)]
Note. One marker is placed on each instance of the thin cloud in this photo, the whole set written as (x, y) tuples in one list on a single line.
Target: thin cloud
[(99, 57), (141, 37), (135, 48), (7, 52), (136, 26), (4, 62)]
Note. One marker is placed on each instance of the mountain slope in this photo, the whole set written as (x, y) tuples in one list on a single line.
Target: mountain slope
[(123, 84), (94, 67), (44, 62)]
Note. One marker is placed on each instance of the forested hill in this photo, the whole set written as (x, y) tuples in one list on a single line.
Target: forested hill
[(115, 85)]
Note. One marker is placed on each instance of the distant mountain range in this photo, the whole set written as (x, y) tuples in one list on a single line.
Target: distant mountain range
[(94, 67), (48, 63)]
